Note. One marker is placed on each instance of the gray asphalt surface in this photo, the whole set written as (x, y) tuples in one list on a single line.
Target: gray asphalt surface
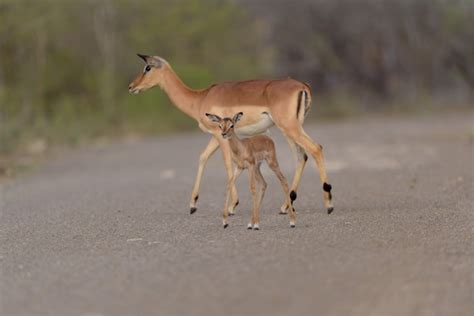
[(107, 231)]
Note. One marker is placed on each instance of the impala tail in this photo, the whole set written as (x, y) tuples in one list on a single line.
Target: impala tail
[(304, 105)]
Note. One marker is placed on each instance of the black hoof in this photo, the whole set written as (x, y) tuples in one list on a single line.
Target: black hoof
[(249, 227), (192, 210), (256, 228), (283, 213), (330, 209), (231, 214), (225, 226), (292, 226)]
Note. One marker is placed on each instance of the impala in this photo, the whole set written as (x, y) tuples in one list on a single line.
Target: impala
[(249, 153), (282, 102)]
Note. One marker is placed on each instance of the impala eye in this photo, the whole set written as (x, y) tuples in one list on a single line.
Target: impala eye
[(147, 68), (232, 126), (220, 125)]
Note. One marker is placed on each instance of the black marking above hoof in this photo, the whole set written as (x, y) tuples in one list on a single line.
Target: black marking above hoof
[(196, 198), (225, 225), (293, 195), (236, 203), (193, 210), (327, 187), (305, 157), (330, 209)]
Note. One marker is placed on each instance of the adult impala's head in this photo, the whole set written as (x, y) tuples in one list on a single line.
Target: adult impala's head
[(151, 76)]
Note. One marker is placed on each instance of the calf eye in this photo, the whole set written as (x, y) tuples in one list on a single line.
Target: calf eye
[(147, 68)]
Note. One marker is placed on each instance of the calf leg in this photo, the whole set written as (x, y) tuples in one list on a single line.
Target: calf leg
[(261, 193), (253, 190), (273, 164), (227, 155), (231, 207), (231, 183)]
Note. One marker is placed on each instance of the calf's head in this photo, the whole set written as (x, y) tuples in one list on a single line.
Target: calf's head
[(226, 124)]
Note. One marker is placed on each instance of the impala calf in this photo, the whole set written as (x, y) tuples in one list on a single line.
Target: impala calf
[(249, 153)]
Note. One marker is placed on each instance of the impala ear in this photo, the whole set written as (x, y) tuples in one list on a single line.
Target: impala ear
[(151, 60), (155, 62), (213, 117), (237, 117)]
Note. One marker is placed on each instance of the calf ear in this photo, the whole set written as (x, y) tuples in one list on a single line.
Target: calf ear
[(213, 117), (237, 117)]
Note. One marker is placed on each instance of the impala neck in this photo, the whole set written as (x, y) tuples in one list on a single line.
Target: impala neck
[(182, 97), (236, 144)]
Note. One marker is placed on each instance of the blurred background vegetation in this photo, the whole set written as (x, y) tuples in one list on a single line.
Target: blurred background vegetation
[(65, 65)]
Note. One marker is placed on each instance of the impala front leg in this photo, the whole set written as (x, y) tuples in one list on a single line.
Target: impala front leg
[(203, 158)]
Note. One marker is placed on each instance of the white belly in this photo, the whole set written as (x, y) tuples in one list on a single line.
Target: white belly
[(257, 128)]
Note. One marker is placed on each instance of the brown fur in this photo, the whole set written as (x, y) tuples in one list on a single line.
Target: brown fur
[(249, 153), (278, 98)]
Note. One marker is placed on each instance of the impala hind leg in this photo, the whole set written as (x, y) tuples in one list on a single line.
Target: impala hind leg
[(301, 157), (298, 135), (203, 158)]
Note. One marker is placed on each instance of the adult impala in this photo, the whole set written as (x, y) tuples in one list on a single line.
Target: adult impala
[(282, 102)]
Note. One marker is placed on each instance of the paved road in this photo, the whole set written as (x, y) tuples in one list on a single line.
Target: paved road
[(107, 231)]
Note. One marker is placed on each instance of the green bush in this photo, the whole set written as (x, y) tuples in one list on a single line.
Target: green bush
[(65, 65)]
